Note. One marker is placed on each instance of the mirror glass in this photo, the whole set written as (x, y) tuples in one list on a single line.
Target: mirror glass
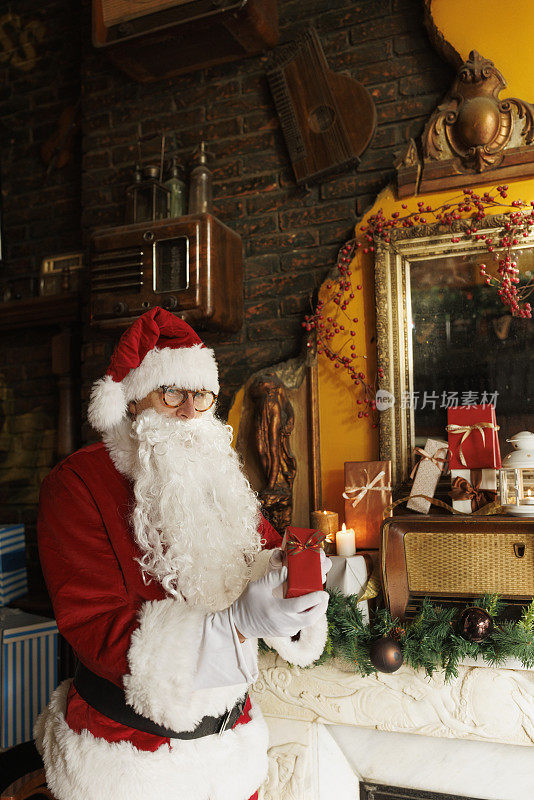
[(466, 346)]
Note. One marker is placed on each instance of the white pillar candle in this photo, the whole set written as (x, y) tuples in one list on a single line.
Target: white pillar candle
[(346, 541)]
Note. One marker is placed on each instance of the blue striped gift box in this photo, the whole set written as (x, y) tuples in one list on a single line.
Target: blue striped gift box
[(29, 674), (12, 563), (12, 548), (12, 585)]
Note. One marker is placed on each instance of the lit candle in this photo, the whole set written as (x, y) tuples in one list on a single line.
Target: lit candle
[(325, 521), (528, 500), (346, 541)]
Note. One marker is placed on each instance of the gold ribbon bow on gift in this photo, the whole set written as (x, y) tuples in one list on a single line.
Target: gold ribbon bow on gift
[(467, 430), (369, 487), (463, 490), (313, 543), (436, 459)]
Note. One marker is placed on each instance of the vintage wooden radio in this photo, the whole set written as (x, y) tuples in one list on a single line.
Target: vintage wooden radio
[(192, 266), (454, 560)]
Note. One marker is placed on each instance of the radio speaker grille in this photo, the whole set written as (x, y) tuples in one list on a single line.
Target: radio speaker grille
[(449, 562), (117, 271)]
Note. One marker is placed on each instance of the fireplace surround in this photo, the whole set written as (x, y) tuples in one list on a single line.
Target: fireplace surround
[(333, 733)]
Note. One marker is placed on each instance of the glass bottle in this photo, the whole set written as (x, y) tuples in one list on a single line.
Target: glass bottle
[(176, 187), (200, 185), (147, 198)]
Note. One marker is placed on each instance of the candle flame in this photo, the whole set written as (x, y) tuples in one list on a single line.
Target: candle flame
[(343, 527), (529, 493)]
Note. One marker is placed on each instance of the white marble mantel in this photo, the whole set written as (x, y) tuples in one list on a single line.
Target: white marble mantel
[(328, 709)]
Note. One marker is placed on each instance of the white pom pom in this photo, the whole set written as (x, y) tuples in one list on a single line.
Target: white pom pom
[(107, 405)]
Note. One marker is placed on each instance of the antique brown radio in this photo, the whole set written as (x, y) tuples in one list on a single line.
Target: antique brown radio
[(191, 266), (154, 39), (454, 560)]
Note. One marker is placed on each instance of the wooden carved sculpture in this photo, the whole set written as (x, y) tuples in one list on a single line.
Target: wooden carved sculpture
[(273, 423), (472, 133)]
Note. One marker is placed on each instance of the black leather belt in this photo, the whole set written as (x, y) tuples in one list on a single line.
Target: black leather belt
[(108, 699)]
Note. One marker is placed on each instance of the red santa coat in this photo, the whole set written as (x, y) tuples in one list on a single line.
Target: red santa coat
[(142, 640)]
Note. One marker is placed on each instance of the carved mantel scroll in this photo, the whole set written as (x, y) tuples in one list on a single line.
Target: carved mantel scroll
[(472, 137), (483, 703)]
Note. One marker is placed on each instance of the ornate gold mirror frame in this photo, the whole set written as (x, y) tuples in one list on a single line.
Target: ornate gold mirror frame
[(394, 324)]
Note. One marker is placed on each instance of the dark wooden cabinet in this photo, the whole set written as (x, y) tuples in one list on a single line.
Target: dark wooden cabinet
[(171, 38)]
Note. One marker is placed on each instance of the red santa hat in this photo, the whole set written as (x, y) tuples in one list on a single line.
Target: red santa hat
[(158, 349)]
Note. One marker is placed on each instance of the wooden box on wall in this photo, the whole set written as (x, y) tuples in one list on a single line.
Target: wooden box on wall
[(163, 38), (192, 266)]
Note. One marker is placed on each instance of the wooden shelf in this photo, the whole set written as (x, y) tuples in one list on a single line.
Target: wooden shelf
[(61, 309)]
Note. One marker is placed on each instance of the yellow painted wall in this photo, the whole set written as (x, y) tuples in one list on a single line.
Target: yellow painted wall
[(504, 33)]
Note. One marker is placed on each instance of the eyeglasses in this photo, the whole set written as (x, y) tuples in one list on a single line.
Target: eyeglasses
[(174, 398)]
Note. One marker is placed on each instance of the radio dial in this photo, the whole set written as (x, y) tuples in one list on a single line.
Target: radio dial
[(120, 308), (169, 303), (148, 236)]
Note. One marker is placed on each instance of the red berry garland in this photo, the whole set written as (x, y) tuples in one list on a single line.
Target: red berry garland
[(336, 333)]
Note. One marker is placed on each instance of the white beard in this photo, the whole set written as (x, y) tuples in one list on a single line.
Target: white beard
[(195, 517)]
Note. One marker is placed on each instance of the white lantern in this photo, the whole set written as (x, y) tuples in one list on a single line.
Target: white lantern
[(516, 477)]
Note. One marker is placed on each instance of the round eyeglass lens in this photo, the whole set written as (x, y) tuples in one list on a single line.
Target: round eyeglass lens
[(175, 397), (203, 400)]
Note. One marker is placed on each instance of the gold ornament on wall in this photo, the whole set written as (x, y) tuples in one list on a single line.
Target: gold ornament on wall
[(472, 132)]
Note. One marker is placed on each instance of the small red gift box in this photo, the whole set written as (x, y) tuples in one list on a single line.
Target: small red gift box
[(473, 439), (302, 555)]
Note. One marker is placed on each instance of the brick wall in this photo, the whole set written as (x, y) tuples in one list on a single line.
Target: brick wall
[(39, 78), (290, 235)]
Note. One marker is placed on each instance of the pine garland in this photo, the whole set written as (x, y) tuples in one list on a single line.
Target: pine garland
[(430, 641)]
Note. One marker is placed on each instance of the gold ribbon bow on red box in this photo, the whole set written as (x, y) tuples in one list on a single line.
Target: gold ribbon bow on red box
[(467, 430), (294, 545)]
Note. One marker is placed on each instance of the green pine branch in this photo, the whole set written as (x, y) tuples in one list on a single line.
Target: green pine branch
[(430, 641)]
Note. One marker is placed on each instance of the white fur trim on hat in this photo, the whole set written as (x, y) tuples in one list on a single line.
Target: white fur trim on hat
[(80, 766), (187, 367), (192, 367)]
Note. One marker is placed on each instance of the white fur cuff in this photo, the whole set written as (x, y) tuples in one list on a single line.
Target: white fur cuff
[(162, 657), (307, 648)]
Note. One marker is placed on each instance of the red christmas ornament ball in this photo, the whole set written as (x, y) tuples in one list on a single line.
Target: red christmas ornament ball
[(386, 654)]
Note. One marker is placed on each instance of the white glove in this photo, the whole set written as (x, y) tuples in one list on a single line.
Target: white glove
[(257, 612), (276, 558)]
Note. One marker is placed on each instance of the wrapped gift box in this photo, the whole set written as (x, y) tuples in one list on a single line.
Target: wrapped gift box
[(29, 671), (13, 585), (429, 469), (367, 493), (473, 488), (350, 575), (302, 555), (473, 437), (13, 578)]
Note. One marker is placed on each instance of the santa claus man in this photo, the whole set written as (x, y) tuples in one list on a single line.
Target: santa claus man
[(151, 546)]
